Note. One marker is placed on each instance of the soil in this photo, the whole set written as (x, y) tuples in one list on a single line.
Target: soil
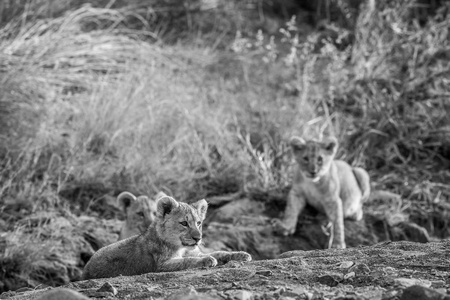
[(382, 271)]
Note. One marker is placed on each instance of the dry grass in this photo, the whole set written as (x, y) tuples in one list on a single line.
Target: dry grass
[(90, 108)]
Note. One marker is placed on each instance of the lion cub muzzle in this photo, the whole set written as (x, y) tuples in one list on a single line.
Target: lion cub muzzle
[(193, 237)]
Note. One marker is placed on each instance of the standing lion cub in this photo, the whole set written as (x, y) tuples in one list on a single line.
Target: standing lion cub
[(329, 185), (169, 244)]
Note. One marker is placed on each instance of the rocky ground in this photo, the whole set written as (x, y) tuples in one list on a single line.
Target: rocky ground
[(234, 222), (389, 270), (245, 224)]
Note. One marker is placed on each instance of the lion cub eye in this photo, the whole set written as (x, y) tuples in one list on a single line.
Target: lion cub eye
[(140, 214), (305, 158), (319, 160), (184, 223)]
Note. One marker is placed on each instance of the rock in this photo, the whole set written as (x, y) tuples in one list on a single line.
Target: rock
[(105, 291), (295, 293), (407, 282), (187, 293), (290, 254), (264, 273), (107, 288), (346, 265), (62, 294), (438, 284), (414, 232), (329, 280), (349, 275), (278, 292), (239, 295), (372, 295), (235, 211), (360, 269), (418, 292)]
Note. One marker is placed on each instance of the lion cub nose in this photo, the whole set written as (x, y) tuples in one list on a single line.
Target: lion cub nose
[(196, 239)]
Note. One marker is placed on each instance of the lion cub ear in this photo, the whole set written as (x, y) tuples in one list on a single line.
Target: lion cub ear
[(124, 200), (165, 205), (330, 144), (160, 195), (297, 143), (201, 206)]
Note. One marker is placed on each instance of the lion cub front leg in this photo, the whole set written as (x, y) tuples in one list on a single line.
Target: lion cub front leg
[(295, 204), (183, 263), (334, 211), (225, 256)]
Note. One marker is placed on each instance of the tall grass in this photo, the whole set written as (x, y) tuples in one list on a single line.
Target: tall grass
[(399, 93), (89, 113)]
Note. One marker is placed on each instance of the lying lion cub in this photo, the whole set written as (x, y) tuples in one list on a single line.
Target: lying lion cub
[(169, 244), (329, 185), (140, 212)]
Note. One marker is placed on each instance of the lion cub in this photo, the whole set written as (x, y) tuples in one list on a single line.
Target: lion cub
[(329, 185), (140, 212), (169, 244)]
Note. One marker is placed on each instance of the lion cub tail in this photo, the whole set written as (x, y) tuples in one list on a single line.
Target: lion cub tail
[(363, 179)]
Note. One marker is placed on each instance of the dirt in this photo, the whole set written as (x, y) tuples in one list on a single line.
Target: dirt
[(381, 271)]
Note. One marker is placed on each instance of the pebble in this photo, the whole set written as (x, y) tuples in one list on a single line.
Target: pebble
[(438, 284), (264, 272), (188, 293), (296, 292), (328, 280), (278, 292), (107, 288), (418, 292), (349, 275), (240, 295), (360, 269), (346, 265), (407, 282)]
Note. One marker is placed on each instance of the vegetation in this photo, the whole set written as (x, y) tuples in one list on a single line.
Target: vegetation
[(97, 97)]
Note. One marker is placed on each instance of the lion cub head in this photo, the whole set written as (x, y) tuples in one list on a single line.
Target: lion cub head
[(314, 157), (180, 224), (140, 212)]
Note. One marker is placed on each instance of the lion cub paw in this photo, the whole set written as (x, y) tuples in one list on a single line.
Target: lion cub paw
[(208, 261), (280, 229), (338, 246), (241, 256)]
